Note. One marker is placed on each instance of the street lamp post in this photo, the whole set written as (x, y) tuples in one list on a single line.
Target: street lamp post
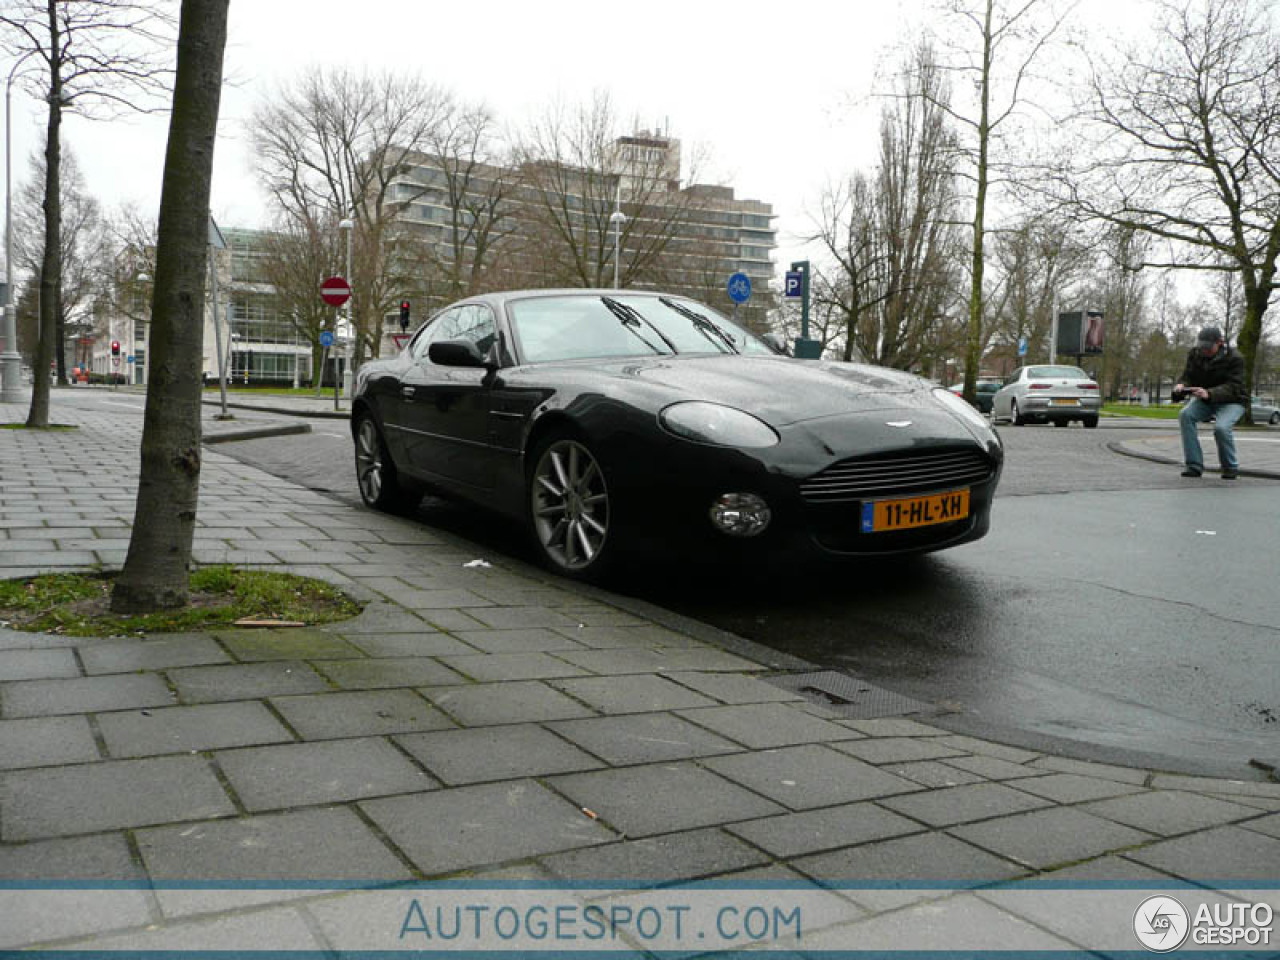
[(348, 226), (10, 360), (146, 333), (617, 218)]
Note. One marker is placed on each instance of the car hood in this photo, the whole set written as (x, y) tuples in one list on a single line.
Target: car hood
[(779, 390)]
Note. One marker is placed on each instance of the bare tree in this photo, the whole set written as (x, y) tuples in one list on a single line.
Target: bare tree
[(845, 285), (479, 204), (83, 252), (889, 237), (577, 168), (1035, 263), (1002, 39), (155, 574), (336, 144), (97, 57), (1119, 290), (1190, 135)]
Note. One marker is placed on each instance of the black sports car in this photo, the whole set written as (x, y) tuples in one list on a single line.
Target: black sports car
[(607, 420)]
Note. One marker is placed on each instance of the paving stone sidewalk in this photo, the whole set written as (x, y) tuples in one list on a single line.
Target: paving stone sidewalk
[(488, 722)]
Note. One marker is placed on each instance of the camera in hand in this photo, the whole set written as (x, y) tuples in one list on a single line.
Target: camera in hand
[(1177, 396)]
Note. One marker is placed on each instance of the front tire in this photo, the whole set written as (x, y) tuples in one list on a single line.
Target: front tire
[(376, 473), (570, 512)]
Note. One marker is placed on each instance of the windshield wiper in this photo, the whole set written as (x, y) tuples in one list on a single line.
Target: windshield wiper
[(633, 320), (702, 324)]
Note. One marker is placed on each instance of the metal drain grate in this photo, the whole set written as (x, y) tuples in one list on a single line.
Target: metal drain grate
[(851, 697)]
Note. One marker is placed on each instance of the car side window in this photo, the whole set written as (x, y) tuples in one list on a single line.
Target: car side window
[(472, 321), (428, 333)]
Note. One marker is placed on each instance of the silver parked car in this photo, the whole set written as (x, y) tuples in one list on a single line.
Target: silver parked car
[(1048, 394), (1264, 412)]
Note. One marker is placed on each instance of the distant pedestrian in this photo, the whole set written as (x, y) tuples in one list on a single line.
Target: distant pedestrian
[(1214, 381)]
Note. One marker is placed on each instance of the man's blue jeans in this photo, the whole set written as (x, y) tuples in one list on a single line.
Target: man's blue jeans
[(1226, 415)]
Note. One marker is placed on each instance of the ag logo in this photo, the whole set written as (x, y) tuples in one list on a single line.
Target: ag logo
[(1161, 924)]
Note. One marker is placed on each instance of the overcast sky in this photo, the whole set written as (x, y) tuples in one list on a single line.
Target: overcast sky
[(777, 92), (780, 94)]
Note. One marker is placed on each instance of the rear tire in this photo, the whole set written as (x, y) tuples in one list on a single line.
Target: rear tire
[(1015, 414), (1275, 418), (1090, 422), (569, 508), (376, 473), (1060, 423)]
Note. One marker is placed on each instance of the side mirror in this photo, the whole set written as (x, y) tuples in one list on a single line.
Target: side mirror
[(455, 353), (777, 346)]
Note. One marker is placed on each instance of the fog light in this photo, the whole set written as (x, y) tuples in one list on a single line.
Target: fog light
[(740, 514)]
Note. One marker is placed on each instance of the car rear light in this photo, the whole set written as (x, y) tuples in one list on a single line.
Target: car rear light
[(1088, 386), (1041, 386)]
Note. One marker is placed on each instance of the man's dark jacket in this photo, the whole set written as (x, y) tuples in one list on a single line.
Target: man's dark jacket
[(1222, 375)]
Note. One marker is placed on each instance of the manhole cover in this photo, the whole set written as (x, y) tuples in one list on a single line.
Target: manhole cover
[(850, 697)]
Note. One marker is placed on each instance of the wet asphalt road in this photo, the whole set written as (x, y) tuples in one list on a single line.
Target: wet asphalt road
[(1116, 612)]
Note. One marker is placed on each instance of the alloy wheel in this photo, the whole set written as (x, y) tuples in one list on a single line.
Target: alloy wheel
[(570, 505), (369, 461)]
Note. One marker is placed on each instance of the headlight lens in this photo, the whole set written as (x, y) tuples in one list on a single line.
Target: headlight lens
[(958, 406), (720, 425)]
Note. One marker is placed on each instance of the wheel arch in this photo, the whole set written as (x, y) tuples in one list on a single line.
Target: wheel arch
[(554, 421)]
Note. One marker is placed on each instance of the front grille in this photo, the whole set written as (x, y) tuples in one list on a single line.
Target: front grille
[(902, 473)]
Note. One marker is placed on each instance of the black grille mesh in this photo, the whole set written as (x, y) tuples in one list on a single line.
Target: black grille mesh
[(901, 473)]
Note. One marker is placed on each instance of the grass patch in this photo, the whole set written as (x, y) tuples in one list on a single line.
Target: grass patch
[(78, 605)]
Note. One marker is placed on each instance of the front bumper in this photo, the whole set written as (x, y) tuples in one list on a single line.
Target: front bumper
[(816, 496)]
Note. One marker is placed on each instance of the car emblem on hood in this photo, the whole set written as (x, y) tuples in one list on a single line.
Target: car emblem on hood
[(897, 423)]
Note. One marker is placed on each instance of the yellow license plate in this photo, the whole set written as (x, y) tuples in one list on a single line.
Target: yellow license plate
[(1065, 402), (881, 515)]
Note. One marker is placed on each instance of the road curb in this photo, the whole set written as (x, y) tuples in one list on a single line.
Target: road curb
[(257, 433), (284, 411), (1119, 447)]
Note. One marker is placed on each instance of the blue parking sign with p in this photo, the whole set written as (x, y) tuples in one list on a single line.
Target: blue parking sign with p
[(794, 284)]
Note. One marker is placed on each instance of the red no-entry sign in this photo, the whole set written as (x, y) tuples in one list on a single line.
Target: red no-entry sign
[(335, 291)]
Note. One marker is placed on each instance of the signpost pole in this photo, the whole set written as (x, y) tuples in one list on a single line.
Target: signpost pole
[(806, 349), (335, 291), (336, 378)]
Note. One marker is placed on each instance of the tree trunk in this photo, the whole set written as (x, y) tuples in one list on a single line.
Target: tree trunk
[(50, 264), (1255, 306), (155, 571), (973, 349)]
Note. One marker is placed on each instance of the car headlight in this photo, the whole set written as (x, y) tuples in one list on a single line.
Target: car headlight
[(961, 408), (713, 423)]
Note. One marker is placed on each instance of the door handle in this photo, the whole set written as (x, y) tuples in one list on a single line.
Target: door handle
[(407, 392)]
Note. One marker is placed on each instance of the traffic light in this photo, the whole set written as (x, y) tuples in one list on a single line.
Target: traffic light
[(115, 348), (404, 315)]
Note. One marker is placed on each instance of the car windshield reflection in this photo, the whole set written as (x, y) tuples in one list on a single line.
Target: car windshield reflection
[(581, 327)]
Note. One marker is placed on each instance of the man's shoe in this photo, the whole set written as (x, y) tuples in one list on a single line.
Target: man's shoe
[(1191, 472), (1230, 474)]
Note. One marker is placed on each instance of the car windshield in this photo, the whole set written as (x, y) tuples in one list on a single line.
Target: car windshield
[(581, 327), (1069, 373)]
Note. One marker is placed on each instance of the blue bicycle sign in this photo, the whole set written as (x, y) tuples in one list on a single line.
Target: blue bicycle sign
[(739, 288)]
